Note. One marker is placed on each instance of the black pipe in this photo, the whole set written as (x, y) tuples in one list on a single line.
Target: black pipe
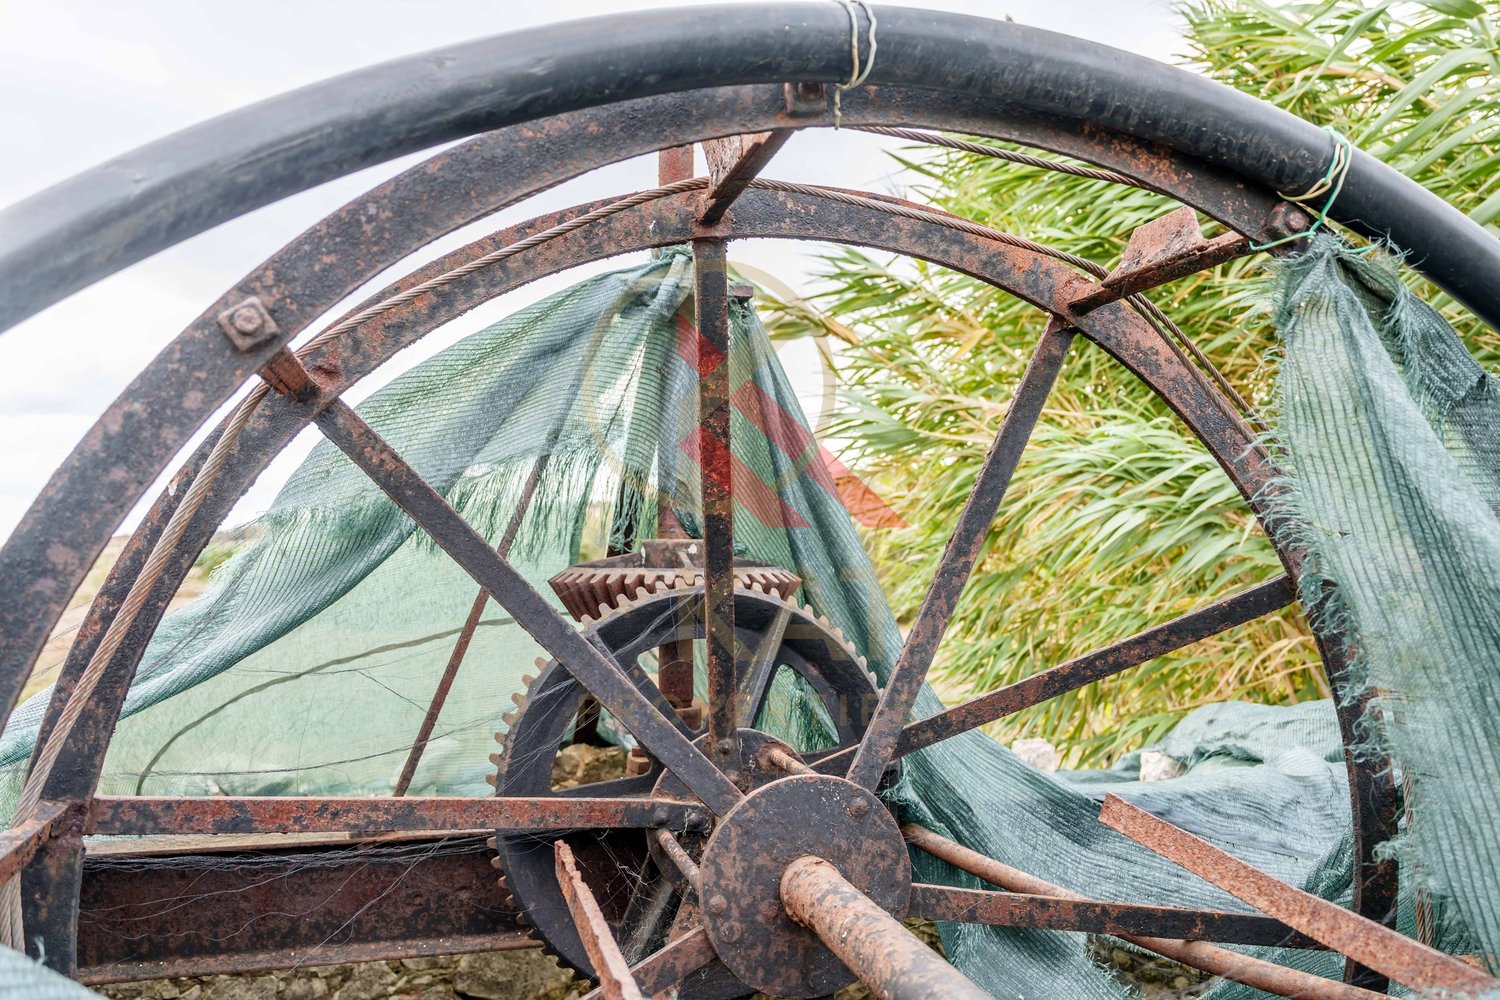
[(100, 221)]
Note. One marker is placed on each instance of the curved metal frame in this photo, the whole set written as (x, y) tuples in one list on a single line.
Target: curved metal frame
[(335, 256)]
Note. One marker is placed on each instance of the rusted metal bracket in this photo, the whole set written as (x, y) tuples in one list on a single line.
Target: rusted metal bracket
[(1373, 945), (1162, 250), (19, 844), (610, 966), (733, 162)]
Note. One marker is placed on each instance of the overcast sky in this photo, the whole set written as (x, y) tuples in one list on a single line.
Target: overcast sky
[(84, 80)]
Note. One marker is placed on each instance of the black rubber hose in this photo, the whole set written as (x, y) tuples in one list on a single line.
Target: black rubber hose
[(104, 219)]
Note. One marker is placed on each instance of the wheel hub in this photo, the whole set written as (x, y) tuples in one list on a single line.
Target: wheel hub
[(799, 816)]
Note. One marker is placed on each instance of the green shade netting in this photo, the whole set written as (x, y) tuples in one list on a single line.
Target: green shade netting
[(309, 664), (1391, 439)]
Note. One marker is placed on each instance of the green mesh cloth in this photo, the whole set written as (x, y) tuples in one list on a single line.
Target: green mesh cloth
[(309, 664), (1392, 439)]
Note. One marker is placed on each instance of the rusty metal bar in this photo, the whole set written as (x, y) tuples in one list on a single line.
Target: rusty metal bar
[(1210, 958), (147, 815), (733, 162), (604, 952), (1373, 945), (595, 670), (20, 842), (678, 855), (1159, 640), (885, 956), (1162, 250), (466, 635), (963, 548), (673, 164), (711, 300), (667, 967), (1057, 913)]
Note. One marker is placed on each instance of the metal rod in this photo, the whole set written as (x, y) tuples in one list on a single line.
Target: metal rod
[(594, 669), (466, 635), (674, 850), (885, 956), (665, 968), (963, 549), (715, 461), (1375, 946), (791, 765), (1057, 913), (610, 966), (1210, 958), (145, 815)]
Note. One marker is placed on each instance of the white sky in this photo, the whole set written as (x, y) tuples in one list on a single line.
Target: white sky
[(84, 80)]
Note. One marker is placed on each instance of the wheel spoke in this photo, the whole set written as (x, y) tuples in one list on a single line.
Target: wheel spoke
[(1373, 945), (958, 559), (466, 634), (615, 980), (1210, 958), (711, 296), (594, 669), (1220, 616), (147, 815), (756, 680), (669, 966), (1055, 913)]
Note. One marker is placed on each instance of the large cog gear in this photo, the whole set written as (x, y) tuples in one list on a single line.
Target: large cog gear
[(630, 890)]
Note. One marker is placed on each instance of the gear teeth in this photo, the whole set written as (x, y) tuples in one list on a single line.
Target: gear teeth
[(760, 584), (526, 680)]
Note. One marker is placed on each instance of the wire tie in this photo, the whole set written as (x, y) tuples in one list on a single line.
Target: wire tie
[(858, 73), (1331, 183)]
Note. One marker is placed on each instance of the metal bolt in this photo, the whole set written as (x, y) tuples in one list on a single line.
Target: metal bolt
[(659, 816), (725, 746), (730, 932), (246, 319), (716, 904), (857, 808)]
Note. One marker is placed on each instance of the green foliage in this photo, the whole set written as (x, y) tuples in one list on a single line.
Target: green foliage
[(1117, 518)]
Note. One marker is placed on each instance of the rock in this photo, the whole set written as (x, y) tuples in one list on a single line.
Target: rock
[(1040, 754), (582, 764), (304, 988), (367, 981), (427, 963), (240, 988), (522, 974), (1157, 766)]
